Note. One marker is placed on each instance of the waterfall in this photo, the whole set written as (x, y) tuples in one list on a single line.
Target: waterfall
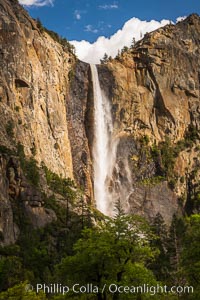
[(112, 176), (103, 146)]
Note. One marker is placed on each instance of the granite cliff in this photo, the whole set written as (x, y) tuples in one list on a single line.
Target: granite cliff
[(46, 113), (154, 87)]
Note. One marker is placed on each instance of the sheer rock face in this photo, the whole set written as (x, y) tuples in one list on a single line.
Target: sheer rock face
[(8, 230), (17, 194), (80, 126), (33, 89), (154, 89)]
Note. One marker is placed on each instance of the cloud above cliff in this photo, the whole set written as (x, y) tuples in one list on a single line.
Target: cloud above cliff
[(36, 2), (90, 28), (108, 6), (133, 28)]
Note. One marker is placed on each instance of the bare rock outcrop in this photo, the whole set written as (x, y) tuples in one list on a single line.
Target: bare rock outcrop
[(34, 85)]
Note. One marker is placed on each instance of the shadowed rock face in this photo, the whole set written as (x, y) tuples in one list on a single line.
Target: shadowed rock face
[(17, 193), (80, 126), (46, 104)]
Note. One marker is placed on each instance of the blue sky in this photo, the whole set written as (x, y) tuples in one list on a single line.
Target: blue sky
[(88, 19), (96, 27)]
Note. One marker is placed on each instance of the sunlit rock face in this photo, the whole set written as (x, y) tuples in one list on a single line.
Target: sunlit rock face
[(33, 90), (157, 82), (154, 90), (34, 86)]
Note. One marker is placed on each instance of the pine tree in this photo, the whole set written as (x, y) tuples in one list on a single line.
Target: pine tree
[(115, 251), (104, 59), (160, 266), (176, 233), (133, 43), (190, 256)]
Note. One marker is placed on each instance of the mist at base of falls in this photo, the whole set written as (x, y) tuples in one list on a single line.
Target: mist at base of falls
[(108, 187)]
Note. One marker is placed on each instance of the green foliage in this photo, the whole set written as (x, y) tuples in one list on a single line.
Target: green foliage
[(174, 248), (118, 56), (190, 137), (56, 37), (51, 203), (152, 180), (105, 59), (10, 128), (71, 75), (191, 254), (161, 264), (31, 171), (145, 140), (155, 152), (114, 251), (62, 186), (192, 133), (10, 271), (165, 153), (133, 42), (17, 108), (34, 257), (5, 150), (19, 292), (29, 166), (39, 25), (193, 192), (124, 49), (164, 156), (167, 158), (21, 154)]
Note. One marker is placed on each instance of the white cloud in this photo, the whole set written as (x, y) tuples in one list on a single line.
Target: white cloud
[(89, 28), (36, 2), (179, 19), (134, 27), (108, 6), (77, 14)]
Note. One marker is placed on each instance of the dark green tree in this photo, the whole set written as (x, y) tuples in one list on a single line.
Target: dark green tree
[(124, 49), (160, 266), (115, 251), (105, 59), (174, 249), (20, 292), (133, 42), (190, 257)]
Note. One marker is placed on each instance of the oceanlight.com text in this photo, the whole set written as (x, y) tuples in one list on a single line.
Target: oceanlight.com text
[(89, 288)]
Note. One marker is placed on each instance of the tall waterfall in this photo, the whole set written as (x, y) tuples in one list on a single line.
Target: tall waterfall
[(112, 175), (103, 146)]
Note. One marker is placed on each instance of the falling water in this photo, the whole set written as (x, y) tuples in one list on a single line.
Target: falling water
[(112, 176), (103, 149)]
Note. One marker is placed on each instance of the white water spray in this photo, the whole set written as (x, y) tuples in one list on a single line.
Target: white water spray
[(112, 176), (103, 147)]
